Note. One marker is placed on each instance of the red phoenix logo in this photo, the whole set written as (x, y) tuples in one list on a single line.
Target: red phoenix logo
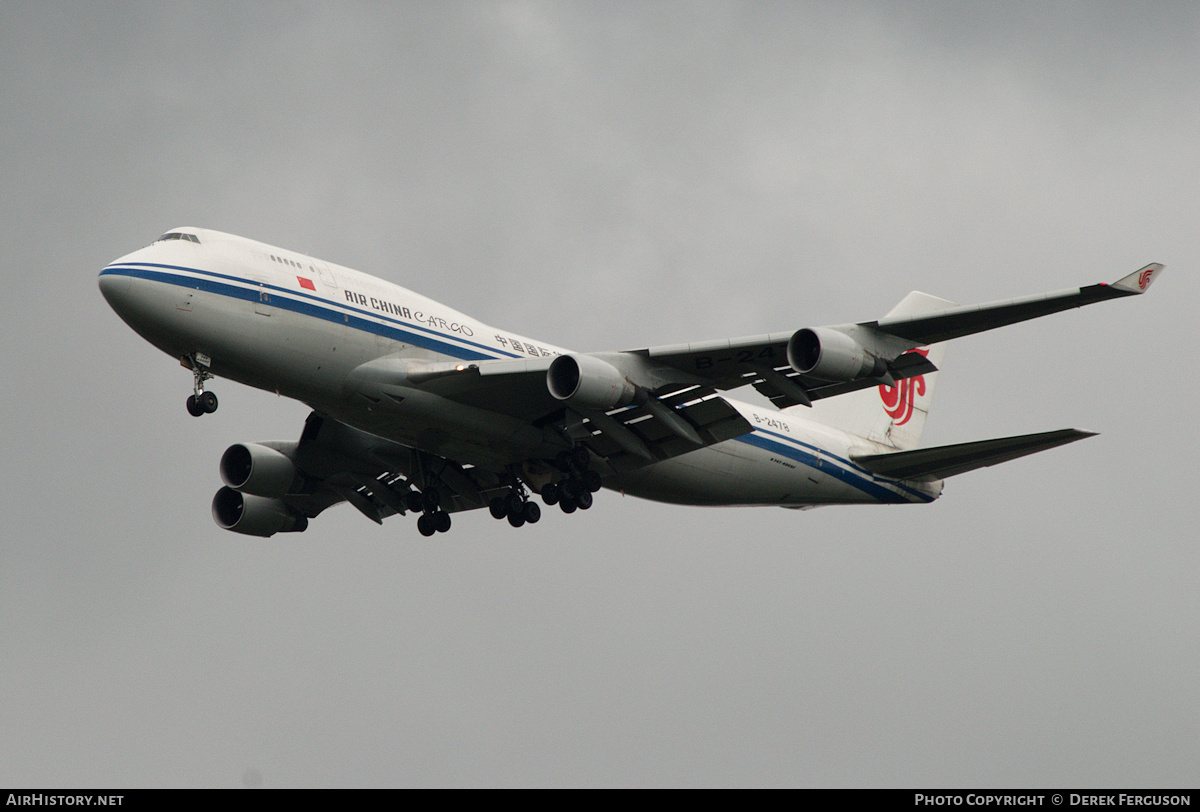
[(1144, 278), (898, 399)]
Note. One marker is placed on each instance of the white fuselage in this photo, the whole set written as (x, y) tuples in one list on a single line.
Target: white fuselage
[(287, 323)]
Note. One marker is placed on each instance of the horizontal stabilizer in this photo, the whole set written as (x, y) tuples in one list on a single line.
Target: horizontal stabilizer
[(948, 460)]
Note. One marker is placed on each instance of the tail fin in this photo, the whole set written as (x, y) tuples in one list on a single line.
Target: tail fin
[(892, 415)]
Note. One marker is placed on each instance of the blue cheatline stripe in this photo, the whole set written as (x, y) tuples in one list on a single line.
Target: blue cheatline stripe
[(310, 305), (862, 481)]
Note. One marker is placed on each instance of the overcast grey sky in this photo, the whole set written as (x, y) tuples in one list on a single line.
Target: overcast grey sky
[(607, 176)]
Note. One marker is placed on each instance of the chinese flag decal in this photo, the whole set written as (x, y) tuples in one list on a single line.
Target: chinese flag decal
[(307, 284)]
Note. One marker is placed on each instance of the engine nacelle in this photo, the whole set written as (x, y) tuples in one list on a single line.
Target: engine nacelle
[(257, 469), (255, 515), (831, 356), (588, 382)]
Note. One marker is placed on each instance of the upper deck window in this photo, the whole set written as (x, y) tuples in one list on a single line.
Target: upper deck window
[(179, 235)]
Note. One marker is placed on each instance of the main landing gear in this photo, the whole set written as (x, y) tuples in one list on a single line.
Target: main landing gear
[(200, 402), (516, 507), (574, 491)]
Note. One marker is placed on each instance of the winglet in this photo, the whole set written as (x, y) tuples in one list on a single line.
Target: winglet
[(1139, 281)]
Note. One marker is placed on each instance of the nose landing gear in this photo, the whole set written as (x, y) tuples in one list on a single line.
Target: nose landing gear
[(199, 402)]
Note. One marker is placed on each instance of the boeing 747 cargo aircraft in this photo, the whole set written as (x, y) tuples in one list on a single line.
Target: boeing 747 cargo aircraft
[(417, 408)]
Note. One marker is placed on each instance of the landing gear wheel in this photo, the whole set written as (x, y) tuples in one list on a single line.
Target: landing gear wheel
[(532, 512), (513, 502), (568, 488), (425, 525), (590, 481), (585, 500), (568, 505), (550, 494), (581, 458), (516, 519), (498, 507), (441, 521), (200, 402)]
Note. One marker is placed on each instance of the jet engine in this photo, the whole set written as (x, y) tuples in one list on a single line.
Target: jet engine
[(257, 469), (831, 356), (588, 382), (255, 515)]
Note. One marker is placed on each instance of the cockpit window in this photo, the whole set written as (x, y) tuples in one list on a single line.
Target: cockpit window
[(179, 235)]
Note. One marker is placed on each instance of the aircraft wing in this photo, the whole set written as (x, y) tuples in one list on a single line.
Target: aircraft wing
[(867, 353), (670, 418), (955, 322)]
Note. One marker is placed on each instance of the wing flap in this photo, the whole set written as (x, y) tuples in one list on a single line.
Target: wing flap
[(708, 415), (949, 460)]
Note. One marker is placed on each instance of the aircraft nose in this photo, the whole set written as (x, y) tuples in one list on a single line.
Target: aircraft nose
[(115, 290)]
